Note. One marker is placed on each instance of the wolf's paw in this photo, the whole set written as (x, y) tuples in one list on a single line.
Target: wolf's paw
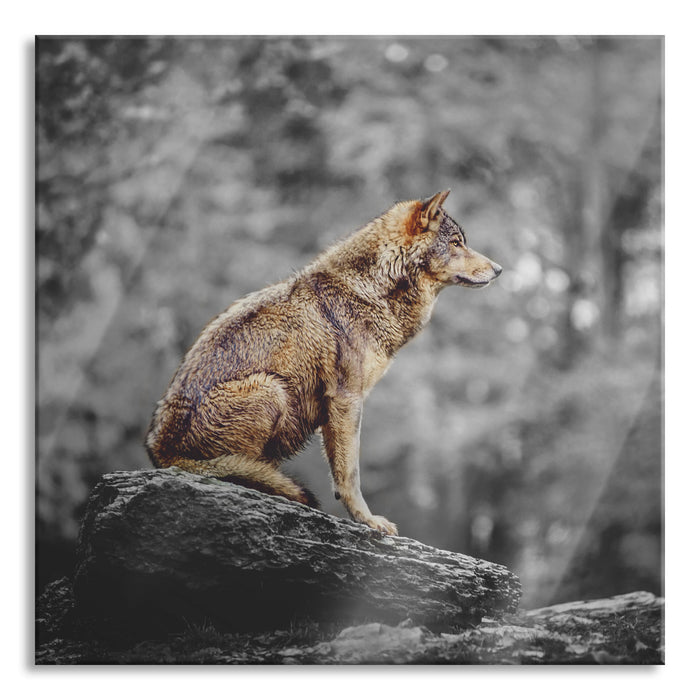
[(377, 522)]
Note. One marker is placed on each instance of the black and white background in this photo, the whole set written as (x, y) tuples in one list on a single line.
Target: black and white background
[(524, 426)]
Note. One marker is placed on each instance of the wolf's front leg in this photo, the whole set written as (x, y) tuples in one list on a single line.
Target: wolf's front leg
[(341, 441)]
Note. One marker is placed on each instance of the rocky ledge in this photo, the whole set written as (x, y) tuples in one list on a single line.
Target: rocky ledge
[(177, 568)]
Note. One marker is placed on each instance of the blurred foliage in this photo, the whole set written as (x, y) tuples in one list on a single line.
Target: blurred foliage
[(175, 175)]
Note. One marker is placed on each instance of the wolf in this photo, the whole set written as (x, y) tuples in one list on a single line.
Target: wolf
[(301, 355)]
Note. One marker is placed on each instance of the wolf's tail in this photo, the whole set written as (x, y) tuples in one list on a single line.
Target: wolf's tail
[(251, 473)]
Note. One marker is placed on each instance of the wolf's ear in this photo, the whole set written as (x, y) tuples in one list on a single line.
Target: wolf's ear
[(431, 206)]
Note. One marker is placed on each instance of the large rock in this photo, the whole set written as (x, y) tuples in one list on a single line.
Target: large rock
[(162, 549)]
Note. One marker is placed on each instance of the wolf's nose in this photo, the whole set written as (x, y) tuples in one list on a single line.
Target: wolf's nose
[(497, 269)]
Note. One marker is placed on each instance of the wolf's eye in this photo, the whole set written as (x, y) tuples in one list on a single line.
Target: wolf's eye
[(456, 243)]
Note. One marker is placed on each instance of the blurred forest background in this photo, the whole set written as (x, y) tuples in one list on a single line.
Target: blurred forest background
[(524, 425)]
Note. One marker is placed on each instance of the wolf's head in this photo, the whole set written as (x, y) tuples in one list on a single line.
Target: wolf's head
[(446, 256), (414, 246)]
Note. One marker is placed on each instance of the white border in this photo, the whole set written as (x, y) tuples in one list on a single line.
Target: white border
[(360, 17)]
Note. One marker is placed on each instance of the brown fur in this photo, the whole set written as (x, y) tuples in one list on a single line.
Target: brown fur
[(301, 355)]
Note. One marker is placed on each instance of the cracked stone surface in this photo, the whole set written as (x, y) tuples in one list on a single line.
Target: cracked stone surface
[(160, 545)]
